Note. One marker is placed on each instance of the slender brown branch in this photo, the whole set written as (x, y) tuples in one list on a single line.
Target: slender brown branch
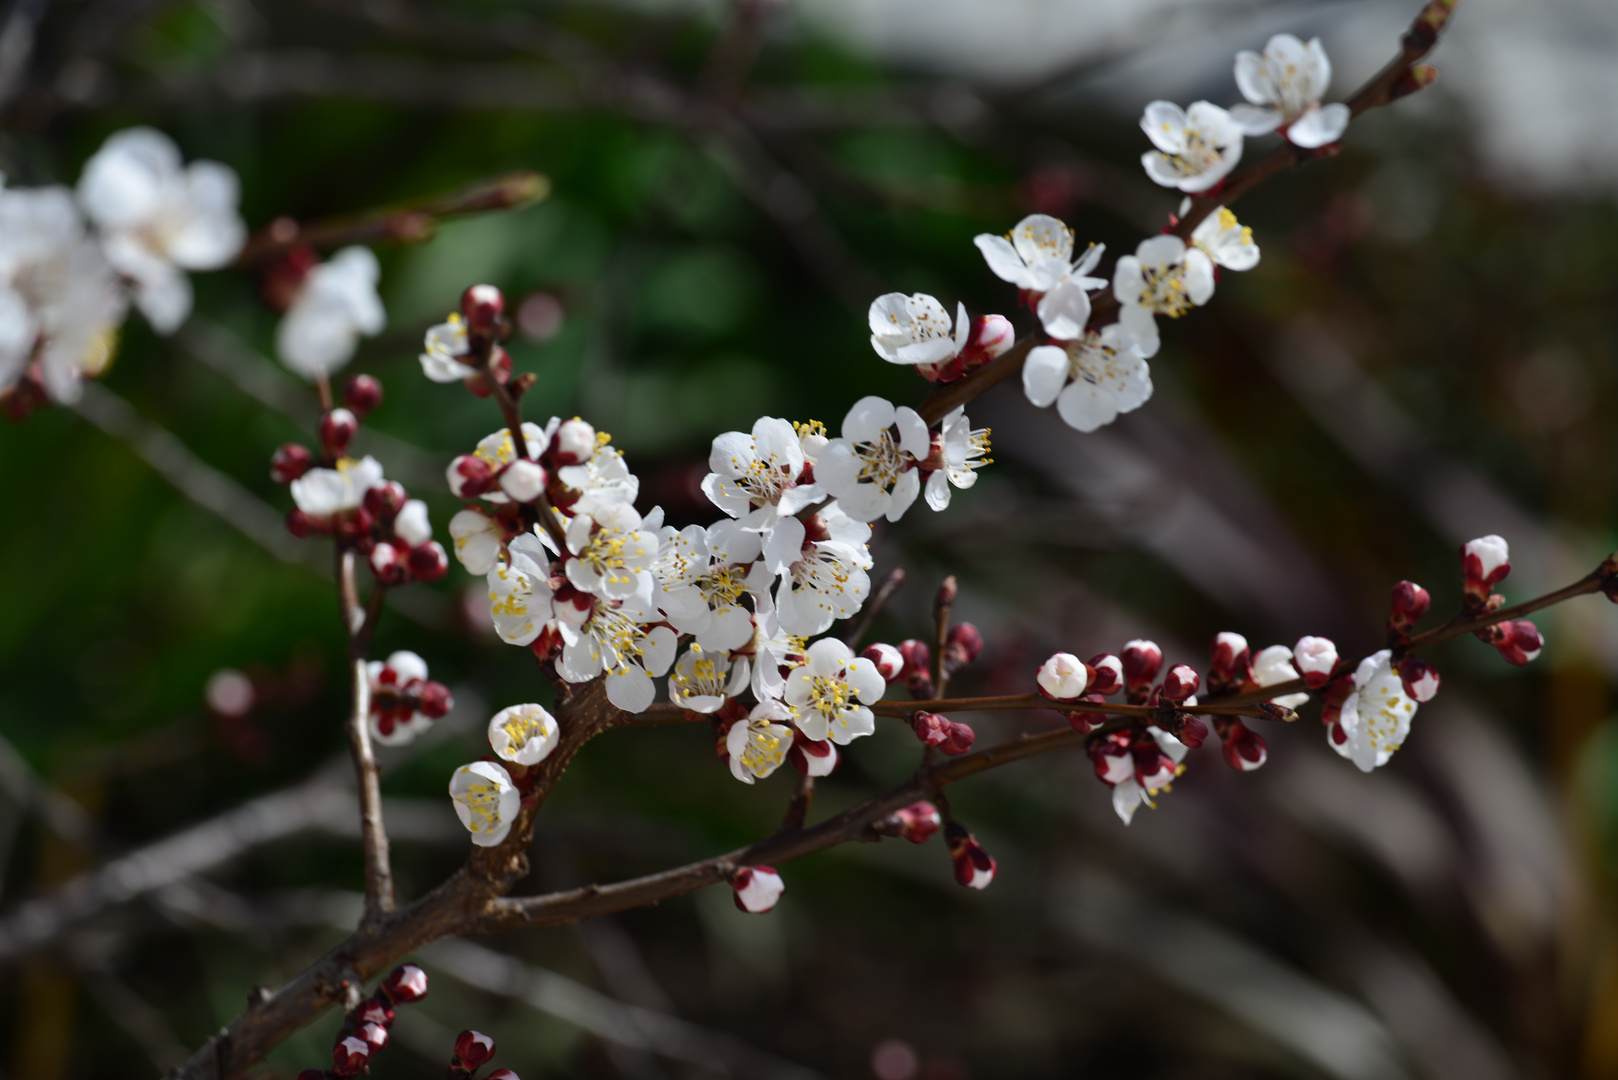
[(874, 606), (373, 833), (942, 607), (798, 808)]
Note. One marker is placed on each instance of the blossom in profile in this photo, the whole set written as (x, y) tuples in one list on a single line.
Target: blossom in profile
[(1284, 85), (823, 566), (525, 734), (759, 472), (322, 493), (336, 304), (1375, 718), (759, 743), (159, 217), (1273, 666), (960, 451), (1037, 257), (477, 539), (1163, 277), (916, 329), (974, 867), (871, 471), (443, 351), (1226, 241), (703, 681), (757, 888), (1091, 379), (520, 599), (827, 694), (485, 800), (1196, 147)]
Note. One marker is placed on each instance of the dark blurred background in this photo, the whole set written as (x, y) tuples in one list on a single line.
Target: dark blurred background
[(1426, 353)]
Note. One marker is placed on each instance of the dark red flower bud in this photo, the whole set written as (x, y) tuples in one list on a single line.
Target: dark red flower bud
[(918, 822), (1107, 674), (1243, 748), (436, 700), (963, 645), (362, 394), (373, 1010), (350, 1055), (1190, 730), (502, 1074), (974, 867), (888, 660), (385, 500), (469, 476), (389, 565), (473, 1048), (931, 728), (917, 656), (407, 982), (299, 524), (959, 740), (289, 462), (373, 1033), (1142, 661), (1522, 642), (1410, 600), (481, 307), (1111, 758), (428, 562), (356, 525), (1181, 682), (1083, 723), (337, 430), (1228, 659), (1420, 679)]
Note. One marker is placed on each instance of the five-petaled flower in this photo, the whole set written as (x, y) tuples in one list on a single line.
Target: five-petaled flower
[(1284, 86), (958, 453), (1375, 718), (869, 471), (1163, 277), (703, 681), (1226, 241), (1196, 147), (916, 329), (321, 493), (486, 801), (1037, 257), (1091, 379), (335, 305), (758, 743), (823, 571), (756, 475), (826, 694)]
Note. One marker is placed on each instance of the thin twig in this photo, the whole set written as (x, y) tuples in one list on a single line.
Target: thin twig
[(874, 606), (373, 833)]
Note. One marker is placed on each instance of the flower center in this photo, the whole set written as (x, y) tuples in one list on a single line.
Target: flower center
[(1198, 156), (829, 696), (520, 729), (482, 798), (881, 461), (1164, 290)]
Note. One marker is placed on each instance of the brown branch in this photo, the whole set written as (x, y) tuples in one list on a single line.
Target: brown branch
[(373, 833), (874, 606), (943, 604)]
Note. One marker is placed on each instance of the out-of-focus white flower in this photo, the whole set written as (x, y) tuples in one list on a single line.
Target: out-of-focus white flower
[(757, 888), (337, 304), (1486, 559), (964, 452), (159, 218), (520, 599), (601, 480), (1376, 716), (703, 681), (59, 296), (758, 745), (1196, 147), (1285, 85), (1062, 677), (616, 639), (525, 734), (612, 554), (396, 678), (1226, 241), (412, 524), (441, 352), (870, 472), (1037, 257), (1273, 666), (1163, 277), (478, 540), (321, 493), (1091, 379), (702, 575), (486, 801), (916, 329), (759, 472), (826, 693), (823, 578)]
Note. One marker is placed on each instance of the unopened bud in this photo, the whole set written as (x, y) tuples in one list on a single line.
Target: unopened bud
[(374, 1034), (388, 566), (436, 700), (289, 462), (974, 867), (992, 334), (411, 523), (407, 982), (481, 307), (1181, 682), (1316, 659), (917, 677), (1112, 760), (337, 430), (1410, 601), (1108, 677), (1484, 561), (373, 1010), (473, 1048), (1229, 657), (918, 822), (959, 740), (523, 480), (1522, 642), (962, 646), (931, 728), (1190, 730), (502, 1074), (362, 394), (1243, 748), (350, 1055), (757, 888), (1083, 723), (1062, 677), (428, 562), (888, 660), (469, 476), (1153, 768), (1420, 679), (384, 501), (574, 444), (299, 524), (1142, 661)]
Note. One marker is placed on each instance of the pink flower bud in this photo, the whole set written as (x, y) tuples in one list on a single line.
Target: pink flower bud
[(1316, 658), (916, 655), (350, 1055), (974, 867), (1420, 679), (337, 429), (523, 480), (959, 740), (1109, 674), (289, 462), (1190, 730), (429, 562), (993, 334), (388, 566), (918, 821), (1062, 677), (931, 728), (963, 645), (574, 444), (1229, 657), (757, 888), (1522, 642), (407, 982), (1244, 749), (473, 1049), (1485, 561), (888, 660), (1142, 661), (469, 476), (481, 307), (362, 394), (374, 1034), (1181, 682), (436, 700), (1410, 601)]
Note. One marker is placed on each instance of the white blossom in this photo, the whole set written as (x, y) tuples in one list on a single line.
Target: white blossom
[(1490, 552), (869, 471), (478, 540), (1132, 788), (337, 303), (703, 681), (1091, 379), (1284, 86), (758, 888), (159, 218), (1063, 677), (412, 524), (964, 451), (321, 493), (445, 344), (759, 472), (916, 329), (1316, 658), (486, 801), (402, 671), (1226, 241), (823, 578), (758, 744), (1163, 277), (602, 480), (1376, 716), (525, 734), (616, 639), (775, 652), (702, 575), (1196, 147), (1037, 257), (827, 692), (1273, 666), (520, 599), (612, 554)]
